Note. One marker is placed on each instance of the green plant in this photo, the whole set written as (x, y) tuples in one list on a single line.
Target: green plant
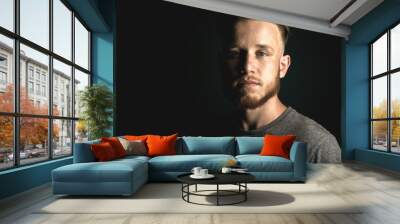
[(96, 102)]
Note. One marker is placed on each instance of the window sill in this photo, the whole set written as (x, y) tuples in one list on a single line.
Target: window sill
[(382, 159), (25, 167)]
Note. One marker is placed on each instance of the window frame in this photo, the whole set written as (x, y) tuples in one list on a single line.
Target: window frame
[(16, 114), (388, 74), (3, 77)]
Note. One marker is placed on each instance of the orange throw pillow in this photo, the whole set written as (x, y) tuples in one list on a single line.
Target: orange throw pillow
[(116, 145), (161, 145), (103, 152), (277, 145), (136, 137)]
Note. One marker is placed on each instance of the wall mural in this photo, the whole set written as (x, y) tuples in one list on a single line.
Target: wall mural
[(198, 72)]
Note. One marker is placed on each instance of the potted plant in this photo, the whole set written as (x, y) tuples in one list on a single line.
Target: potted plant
[(96, 102)]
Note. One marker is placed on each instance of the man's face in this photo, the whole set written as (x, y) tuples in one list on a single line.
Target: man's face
[(255, 62)]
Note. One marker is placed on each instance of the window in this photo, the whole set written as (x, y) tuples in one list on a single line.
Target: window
[(38, 89), (81, 45), (62, 144), (3, 61), (44, 91), (3, 72), (30, 72), (30, 87), (81, 81), (385, 91), (62, 29), (38, 74), (3, 82), (7, 14), (3, 78), (35, 21), (6, 73), (6, 142), (33, 149), (62, 74), (54, 126)]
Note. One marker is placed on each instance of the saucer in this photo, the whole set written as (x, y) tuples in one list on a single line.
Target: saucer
[(208, 176)]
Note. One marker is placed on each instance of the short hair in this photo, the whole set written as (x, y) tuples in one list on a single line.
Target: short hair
[(226, 25), (285, 30)]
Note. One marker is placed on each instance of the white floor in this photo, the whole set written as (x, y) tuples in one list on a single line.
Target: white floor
[(378, 189)]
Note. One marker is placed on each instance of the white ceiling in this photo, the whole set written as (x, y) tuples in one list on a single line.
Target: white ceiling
[(316, 15), (319, 9)]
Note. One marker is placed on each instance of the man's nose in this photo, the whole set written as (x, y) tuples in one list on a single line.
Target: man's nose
[(247, 63)]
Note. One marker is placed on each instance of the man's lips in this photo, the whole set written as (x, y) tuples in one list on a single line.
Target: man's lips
[(249, 82)]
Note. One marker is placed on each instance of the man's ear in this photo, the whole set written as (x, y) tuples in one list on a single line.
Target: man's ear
[(284, 65)]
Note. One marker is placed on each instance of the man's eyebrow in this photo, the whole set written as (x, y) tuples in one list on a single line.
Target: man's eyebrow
[(264, 47)]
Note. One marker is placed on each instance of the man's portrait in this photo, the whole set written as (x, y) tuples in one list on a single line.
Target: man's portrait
[(204, 73), (254, 63)]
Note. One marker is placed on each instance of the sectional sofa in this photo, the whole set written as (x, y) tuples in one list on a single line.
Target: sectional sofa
[(126, 175)]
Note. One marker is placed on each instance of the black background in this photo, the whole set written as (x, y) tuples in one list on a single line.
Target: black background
[(167, 77)]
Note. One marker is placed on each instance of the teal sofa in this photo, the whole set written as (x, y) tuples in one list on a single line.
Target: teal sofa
[(125, 176)]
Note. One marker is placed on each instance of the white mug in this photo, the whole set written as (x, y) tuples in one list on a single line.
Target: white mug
[(203, 172), (196, 170), (226, 170)]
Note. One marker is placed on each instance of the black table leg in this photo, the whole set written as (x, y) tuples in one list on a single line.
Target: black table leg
[(245, 193), (196, 188), (182, 189), (217, 194), (188, 190)]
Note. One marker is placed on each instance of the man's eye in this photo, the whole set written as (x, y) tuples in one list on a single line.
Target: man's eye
[(233, 54), (262, 54)]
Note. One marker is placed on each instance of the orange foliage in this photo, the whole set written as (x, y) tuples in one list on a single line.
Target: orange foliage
[(33, 130)]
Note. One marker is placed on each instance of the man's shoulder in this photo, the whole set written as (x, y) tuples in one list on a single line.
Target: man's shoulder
[(322, 144), (305, 123)]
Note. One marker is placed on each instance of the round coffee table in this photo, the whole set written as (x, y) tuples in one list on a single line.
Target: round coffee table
[(238, 179)]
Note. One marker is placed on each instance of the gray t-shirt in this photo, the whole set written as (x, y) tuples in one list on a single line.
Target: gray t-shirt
[(322, 146)]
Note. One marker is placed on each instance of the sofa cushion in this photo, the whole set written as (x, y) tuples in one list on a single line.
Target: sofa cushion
[(277, 145), (111, 171), (103, 151), (135, 137), (249, 145), (161, 145), (133, 147), (207, 145), (257, 163), (185, 163), (116, 145)]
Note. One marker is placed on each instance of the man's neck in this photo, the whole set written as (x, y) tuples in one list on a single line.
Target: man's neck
[(263, 115)]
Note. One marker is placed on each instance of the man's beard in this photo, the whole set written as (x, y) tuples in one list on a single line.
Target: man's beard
[(245, 101)]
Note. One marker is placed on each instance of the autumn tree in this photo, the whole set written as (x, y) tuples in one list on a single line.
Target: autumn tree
[(380, 127), (396, 123), (81, 129), (6, 122), (33, 131)]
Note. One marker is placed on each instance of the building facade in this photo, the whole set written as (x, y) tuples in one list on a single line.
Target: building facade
[(34, 81)]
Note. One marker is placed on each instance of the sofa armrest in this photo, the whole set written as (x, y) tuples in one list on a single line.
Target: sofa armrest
[(298, 155), (83, 152)]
